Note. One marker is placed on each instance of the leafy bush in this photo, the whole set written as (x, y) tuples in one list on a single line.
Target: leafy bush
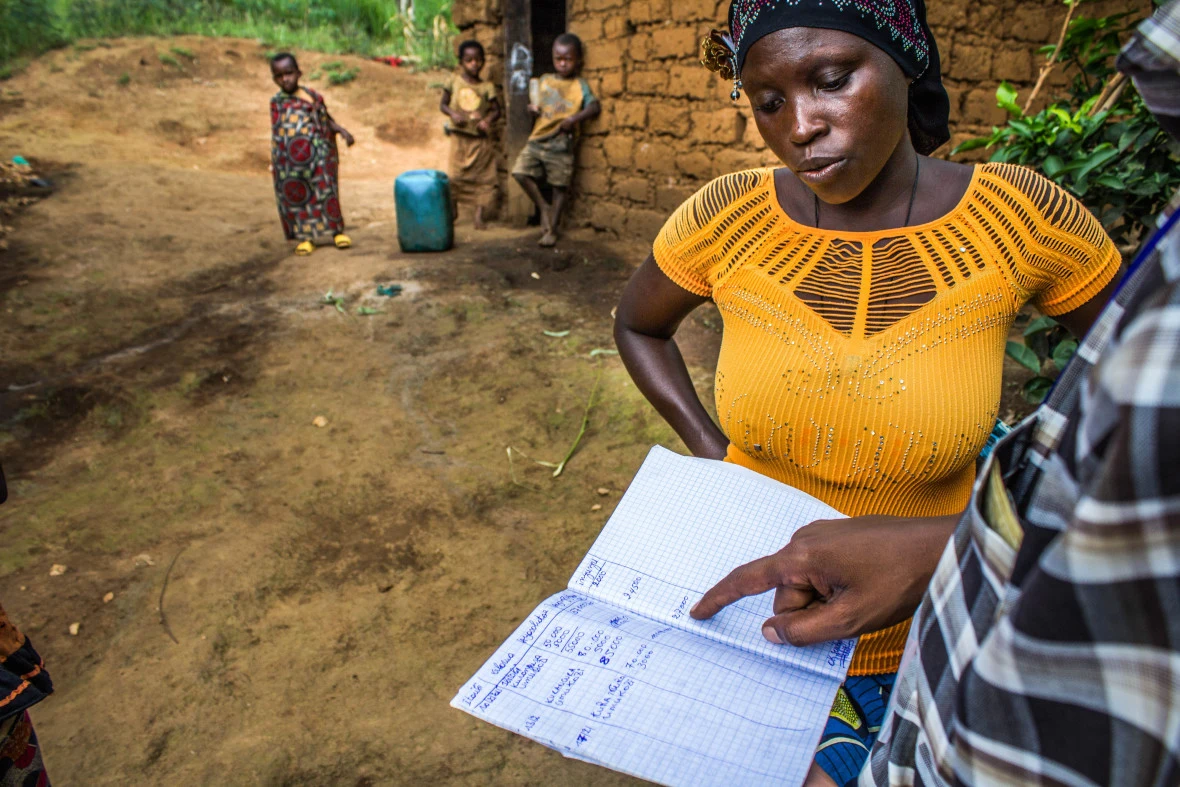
[(1047, 348), (343, 77), (1100, 143), (28, 27)]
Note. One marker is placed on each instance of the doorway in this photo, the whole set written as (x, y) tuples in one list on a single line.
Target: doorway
[(530, 27), (548, 22)]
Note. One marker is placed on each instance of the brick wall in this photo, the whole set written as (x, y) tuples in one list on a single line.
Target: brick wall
[(668, 125)]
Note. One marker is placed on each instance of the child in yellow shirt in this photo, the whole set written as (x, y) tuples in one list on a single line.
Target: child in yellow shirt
[(560, 102), (471, 105)]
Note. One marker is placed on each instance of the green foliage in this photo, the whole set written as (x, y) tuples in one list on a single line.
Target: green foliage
[(432, 47), (365, 27), (1114, 158), (337, 74), (169, 60), (28, 27), (124, 79), (1047, 348)]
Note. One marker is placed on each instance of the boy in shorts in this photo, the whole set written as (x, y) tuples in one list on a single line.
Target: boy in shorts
[(560, 102)]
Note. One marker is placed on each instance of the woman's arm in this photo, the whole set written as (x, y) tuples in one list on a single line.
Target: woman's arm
[(649, 313), (1079, 321)]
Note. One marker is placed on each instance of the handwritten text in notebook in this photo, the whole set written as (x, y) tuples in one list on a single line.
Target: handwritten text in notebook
[(615, 672)]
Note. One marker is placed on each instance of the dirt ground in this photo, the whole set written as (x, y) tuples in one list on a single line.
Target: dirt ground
[(163, 359)]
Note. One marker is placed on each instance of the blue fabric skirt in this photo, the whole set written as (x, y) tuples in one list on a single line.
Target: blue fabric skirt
[(852, 728)]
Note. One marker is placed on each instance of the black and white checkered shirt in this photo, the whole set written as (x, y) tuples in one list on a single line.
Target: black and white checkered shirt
[(1053, 656)]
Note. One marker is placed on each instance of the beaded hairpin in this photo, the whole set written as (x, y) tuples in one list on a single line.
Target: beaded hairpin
[(719, 55)]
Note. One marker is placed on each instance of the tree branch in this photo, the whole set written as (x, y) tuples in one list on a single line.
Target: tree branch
[(1052, 61)]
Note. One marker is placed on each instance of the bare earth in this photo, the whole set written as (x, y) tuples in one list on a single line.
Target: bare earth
[(162, 359)]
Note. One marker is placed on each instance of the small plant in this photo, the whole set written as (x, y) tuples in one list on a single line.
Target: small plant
[(1047, 348), (185, 53), (169, 60), (124, 79), (1100, 143), (343, 77), (428, 48)]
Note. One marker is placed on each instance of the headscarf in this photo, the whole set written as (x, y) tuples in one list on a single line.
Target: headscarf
[(897, 27), (1152, 60)]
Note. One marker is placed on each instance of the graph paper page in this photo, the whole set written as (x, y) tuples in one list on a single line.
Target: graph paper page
[(637, 686), (683, 524)]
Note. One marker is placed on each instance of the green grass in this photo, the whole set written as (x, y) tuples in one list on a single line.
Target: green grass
[(364, 27), (337, 74)]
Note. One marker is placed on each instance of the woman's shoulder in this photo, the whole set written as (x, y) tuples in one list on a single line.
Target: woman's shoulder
[(1025, 186), (727, 193)]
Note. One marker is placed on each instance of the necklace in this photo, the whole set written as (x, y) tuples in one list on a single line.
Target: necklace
[(913, 194)]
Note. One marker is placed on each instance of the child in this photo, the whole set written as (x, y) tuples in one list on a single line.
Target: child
[(471, 105), (305, 160), (561, 102)]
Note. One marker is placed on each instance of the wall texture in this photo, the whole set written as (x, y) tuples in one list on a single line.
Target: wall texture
[(668, 125)]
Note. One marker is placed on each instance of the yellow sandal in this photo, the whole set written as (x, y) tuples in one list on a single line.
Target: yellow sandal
[(304, 249), (343, 241)]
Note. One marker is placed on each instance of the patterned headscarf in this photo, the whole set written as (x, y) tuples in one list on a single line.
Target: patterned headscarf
[(898, 27)]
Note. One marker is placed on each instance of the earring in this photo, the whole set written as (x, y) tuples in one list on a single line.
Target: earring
[(719, 56)]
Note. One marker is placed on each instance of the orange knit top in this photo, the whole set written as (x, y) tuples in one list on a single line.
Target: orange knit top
[(864, 367)]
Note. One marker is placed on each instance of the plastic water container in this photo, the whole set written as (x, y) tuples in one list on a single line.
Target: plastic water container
[(424, 220)]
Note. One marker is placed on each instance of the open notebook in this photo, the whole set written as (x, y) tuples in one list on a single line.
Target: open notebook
[(615, 672)]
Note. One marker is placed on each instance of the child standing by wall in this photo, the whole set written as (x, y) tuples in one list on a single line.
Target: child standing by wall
[(305, 160), (560, 101), (471, 105)]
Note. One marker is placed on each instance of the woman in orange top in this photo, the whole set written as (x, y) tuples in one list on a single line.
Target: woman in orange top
[(867, 291)]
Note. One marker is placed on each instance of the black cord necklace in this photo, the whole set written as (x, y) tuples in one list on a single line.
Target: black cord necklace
[(913, 194)]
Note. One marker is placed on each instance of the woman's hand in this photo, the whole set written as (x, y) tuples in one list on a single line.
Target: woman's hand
[(348, 138), (484, 125), (839, 578), (649, 313)]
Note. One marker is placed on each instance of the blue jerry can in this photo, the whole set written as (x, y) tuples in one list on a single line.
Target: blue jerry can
[(424, 220)]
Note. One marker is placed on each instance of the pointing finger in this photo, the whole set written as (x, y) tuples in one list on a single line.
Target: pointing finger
[(749, 580)]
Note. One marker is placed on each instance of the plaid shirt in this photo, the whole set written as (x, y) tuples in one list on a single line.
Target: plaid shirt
[(1048, 651)]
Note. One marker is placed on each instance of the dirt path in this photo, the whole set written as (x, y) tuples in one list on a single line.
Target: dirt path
[(163, 359)]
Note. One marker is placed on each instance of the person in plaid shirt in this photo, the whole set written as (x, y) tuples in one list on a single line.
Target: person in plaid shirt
[(1046, 643)]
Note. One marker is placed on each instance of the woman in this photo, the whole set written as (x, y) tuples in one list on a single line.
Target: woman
[(867, 291)]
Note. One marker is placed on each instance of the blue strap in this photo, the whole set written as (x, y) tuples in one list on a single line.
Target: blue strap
[(1149, 248)]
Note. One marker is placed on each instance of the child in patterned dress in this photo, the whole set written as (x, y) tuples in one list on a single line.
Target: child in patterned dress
[(305, 160), (471, 105)]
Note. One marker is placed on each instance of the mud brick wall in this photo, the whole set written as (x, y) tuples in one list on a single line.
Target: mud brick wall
[(668, 125)]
